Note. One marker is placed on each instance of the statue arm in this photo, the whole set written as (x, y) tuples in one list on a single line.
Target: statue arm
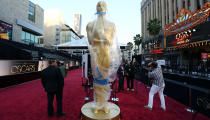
[(113, 33), (88, 29)]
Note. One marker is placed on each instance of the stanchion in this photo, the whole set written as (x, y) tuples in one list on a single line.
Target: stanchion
[(114, 98), (189, 101), (87, 91)]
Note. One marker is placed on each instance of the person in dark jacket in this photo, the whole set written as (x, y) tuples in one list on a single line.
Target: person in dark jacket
[(63, 70), (129, 73), (120, 73), (53, 82)]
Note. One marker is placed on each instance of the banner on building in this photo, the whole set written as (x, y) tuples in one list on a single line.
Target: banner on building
[(12, 67), (188, 27), (5, 31), (204, 57)]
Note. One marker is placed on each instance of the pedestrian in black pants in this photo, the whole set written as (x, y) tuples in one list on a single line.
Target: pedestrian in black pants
[(130, 73), (120, 73), (53, 82)]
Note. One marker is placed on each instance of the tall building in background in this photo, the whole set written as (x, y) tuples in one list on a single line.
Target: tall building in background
[(77, 23), (21, 21), (53, 21)]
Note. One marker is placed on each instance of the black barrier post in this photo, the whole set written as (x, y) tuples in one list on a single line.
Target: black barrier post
[(189, 100), (114, 98), (87, 94), (87, 90), (87, 97), (88, 82), (114, 89)]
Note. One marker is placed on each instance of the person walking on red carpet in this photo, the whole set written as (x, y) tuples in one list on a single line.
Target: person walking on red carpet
[(158, 85), (62, 69), (129, 73), (53, 82), (120, 73)]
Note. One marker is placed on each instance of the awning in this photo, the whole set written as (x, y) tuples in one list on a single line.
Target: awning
[(80, 44), (191, 45)]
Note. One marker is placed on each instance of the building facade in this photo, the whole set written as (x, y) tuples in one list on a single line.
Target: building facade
[(77, 23), (184, 36), (165, 11), (56, 31), (53, 21), (21, 21), (67, 34), (187, 40)]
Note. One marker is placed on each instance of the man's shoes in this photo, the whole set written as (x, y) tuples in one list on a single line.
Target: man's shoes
[(60, 114), (127, 89), (147, 107), (132, 89)]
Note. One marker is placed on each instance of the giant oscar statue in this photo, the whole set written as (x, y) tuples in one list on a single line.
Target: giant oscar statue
[(101, 34)]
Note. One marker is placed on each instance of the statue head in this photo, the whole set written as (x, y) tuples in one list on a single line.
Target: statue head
[(101, 6)]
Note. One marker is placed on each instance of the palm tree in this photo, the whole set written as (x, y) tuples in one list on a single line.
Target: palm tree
[(137, 40), (154, 27), (130, 44)]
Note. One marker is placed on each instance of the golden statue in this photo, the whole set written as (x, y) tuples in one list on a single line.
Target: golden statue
[(100, 33)]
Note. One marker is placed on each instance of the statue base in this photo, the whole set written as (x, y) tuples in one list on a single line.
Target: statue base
[(88, 114)]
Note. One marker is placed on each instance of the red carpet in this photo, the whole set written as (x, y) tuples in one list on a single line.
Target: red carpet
[(29, 102)]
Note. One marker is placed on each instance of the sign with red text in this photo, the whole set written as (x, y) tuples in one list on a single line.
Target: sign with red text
[(204, 57)]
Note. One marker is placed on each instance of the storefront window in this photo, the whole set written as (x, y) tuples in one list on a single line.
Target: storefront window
[(32, 39), (41, 40), (29, 38), (36, 40)]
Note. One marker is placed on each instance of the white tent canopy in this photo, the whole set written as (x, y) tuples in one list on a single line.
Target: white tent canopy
[(80, 43), (75, 43)]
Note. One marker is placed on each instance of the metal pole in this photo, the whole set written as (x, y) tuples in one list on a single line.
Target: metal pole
[(190, 106)]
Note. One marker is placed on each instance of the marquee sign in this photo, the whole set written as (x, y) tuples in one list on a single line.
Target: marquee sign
[(186, 20), (188, 27)]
